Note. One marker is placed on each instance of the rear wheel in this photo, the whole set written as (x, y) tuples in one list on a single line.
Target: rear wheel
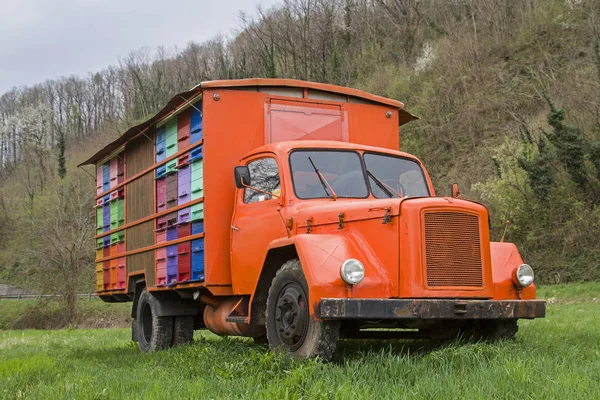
[(183, 330), (153, 332), (290, 327), (134, 330)]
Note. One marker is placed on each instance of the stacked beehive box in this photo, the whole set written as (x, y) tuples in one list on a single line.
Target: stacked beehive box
[(179, 182), (110, 217)]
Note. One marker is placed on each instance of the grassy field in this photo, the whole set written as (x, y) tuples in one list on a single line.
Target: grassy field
[(50, 314), (557, 357)]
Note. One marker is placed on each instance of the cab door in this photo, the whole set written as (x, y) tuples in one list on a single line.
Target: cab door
[(256, 222)]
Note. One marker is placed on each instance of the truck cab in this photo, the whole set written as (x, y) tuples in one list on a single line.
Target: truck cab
[(374, 248), (284, 211)]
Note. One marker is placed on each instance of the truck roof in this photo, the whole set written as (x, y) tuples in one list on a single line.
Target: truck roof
[(296, 83), (286, 147), (314, 89)]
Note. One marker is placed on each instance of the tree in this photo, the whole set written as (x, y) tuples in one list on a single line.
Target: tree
[(61, 255), (569, 144), (537, 163), (62, 168), (595, 147)]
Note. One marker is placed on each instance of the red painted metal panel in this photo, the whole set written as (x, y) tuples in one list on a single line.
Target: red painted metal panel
[(117, 194), (99, 180), (161, 236), (161, 223), (161, 272), (114, 266), (183, 270), (218, 165), (106, 274), (184, 230), (184, 249), (120, 168), (114, 170), (161, 195), (183, 128), (295, 120), (161, 254), (183, 159), (184, 261), (161, 266), (121, 273)]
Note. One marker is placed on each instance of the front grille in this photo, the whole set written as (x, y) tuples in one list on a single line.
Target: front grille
[(452, 249)]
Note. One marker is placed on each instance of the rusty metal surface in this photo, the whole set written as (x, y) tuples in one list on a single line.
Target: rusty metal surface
[(407, 309)]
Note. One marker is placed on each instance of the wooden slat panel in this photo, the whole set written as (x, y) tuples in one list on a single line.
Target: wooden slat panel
[(139, 196), (143, 261), (140, 153), (141, 236)]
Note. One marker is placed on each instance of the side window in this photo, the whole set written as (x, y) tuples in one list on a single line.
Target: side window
[(264, 175)]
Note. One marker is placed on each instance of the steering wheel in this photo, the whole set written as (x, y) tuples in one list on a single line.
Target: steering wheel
[(394, 184)]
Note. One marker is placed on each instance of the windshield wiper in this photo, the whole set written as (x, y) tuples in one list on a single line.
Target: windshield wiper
[(324, 182), (383, 186)]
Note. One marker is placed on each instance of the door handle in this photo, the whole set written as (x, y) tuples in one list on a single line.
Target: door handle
[(235, 228)]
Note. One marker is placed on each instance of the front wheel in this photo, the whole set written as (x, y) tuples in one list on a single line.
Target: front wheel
[(500, 330), (290, 327), (489, 330)]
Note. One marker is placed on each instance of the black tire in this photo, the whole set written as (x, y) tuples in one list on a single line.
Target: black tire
[(290, 327), (183, 330), (154, 332), (261, 340), (134, 330), (505, 329)]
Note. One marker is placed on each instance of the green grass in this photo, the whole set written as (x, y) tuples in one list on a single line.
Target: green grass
[(557, 357), (50, 314), (568, 293)]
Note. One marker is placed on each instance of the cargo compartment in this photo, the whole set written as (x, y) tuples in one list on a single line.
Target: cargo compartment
[(190, 149)]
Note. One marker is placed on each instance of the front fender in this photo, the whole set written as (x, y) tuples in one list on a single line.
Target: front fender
[(322, 256), (505, 258)]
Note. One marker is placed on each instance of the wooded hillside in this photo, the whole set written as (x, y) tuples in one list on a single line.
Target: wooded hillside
[(508, 92)]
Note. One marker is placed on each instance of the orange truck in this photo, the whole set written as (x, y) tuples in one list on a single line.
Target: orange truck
[(282, 210)]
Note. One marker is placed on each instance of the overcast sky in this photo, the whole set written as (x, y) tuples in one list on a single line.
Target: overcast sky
[(46, 39)]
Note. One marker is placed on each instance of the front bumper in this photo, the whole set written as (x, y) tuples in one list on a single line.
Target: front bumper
[(429, 309)]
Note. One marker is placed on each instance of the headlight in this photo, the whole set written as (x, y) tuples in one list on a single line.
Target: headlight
[(524, 275), (352, 271)]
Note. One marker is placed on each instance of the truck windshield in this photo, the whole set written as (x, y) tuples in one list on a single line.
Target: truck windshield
[(341, 169), (402, 175)]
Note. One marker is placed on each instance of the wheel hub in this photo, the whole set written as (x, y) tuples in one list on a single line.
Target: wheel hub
[(291, 316)]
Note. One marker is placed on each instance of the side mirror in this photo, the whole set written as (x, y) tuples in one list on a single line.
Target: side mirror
[(455, 192), (242, 176)]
